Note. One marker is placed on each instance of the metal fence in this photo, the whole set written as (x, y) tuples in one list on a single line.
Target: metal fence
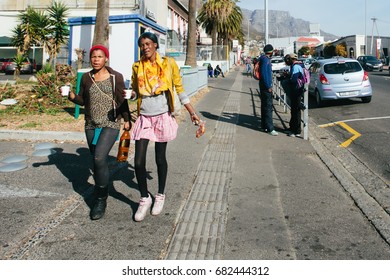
[(203, 53)]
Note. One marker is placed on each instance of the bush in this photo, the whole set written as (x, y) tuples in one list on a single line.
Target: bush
[(43, 96)]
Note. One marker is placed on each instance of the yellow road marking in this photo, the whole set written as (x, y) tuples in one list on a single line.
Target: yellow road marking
[(350, 130), (354, 133)]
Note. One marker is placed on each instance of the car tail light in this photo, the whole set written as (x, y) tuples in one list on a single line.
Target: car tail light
[(365, 76), (323, 80)]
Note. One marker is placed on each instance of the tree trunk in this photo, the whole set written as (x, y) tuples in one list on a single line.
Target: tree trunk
[(191, 34), (101, 34), (214, 33)]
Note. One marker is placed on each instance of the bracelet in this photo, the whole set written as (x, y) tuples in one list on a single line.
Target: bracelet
[(192, 114)]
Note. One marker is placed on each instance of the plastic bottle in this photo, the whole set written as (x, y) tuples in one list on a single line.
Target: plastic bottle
[(124, 144)]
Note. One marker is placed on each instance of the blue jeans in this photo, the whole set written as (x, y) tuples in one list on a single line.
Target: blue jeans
[(266, 110)]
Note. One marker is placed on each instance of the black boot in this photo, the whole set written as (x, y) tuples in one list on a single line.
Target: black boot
[(99, 207)]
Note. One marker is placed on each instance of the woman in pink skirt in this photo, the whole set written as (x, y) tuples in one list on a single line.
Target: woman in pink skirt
[(154, 82)]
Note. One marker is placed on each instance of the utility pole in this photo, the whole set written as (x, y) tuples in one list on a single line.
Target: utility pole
[(365, 27), (372, 32), (266, 20)]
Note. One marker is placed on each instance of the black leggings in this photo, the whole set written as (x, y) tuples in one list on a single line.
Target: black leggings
[(100, 153), (140, 165)]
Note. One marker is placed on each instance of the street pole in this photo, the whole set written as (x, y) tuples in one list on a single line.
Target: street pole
[(266, 20), (248, 30), (372, 33), (365, 27)]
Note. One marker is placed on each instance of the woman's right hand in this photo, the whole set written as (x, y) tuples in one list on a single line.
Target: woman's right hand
[(127, 126), (72, 95)]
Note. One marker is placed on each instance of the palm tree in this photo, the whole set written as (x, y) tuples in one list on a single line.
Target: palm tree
[(19, 60), (101, 33), (213, 16), (191, 36), (231, 29), (58, 31), (37, 28), (31, 29)]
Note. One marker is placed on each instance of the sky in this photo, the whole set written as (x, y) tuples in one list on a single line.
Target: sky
[(337, 17)]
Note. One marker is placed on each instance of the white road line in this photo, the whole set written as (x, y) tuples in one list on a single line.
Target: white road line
[(354, 120)]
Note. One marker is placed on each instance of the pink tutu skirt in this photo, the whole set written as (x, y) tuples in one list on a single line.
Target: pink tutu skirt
[(160, 128)]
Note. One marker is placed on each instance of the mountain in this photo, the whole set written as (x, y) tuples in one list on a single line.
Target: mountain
[(281, 24)]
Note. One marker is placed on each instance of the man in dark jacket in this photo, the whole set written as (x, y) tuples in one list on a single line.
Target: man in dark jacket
[(265, 84), (295, 94)]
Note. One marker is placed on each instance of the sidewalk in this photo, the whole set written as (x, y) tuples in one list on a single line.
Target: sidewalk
[(234, 193)]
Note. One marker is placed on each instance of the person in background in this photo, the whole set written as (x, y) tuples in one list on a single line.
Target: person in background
[(153, 81), (248, 66), (218, 71), (210, 70), (101, 93), (295, 93), (266, 96)]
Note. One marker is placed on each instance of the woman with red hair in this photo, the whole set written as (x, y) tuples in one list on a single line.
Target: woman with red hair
[(101, 95)]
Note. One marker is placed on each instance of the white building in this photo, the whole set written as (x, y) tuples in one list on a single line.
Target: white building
[(128, 19)]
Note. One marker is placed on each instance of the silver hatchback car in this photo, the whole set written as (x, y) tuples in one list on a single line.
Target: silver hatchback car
[(339, 78)]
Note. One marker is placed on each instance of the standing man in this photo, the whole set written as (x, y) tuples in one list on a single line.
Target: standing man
[(265, 84), (296, 93)]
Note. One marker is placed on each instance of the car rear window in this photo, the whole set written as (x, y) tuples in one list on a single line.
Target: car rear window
[(341, 68)]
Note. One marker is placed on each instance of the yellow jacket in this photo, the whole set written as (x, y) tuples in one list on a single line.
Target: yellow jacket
[(172, 73)]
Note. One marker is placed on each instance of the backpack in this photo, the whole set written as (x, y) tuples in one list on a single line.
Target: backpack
[(304, 79), (256, 70)]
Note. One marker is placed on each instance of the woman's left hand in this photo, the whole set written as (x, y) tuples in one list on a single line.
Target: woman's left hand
[(127, 126)]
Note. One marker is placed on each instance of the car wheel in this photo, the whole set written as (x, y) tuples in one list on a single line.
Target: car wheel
[(319, 102), (366, 99)]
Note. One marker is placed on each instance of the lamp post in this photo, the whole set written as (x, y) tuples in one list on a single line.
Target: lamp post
[(365, 27), (266, 20), (248, 44), (248, 28)]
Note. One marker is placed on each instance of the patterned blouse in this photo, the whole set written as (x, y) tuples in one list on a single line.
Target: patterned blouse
[(102, 106)]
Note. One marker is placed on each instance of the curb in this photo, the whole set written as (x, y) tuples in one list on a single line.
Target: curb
[(37, 135)]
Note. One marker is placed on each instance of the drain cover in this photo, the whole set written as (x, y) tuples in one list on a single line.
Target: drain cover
[(10, 167), (14, 158)]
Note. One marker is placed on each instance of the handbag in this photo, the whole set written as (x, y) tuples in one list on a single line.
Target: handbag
[(176, 100), (177, 104)]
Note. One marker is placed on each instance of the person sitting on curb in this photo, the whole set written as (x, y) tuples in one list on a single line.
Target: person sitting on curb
[(210, 70), (218, 71)]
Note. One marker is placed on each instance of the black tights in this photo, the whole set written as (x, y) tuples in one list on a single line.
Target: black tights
[(140, 165), (100, 153)]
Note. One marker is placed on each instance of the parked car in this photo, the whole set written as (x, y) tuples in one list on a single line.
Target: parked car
[(277, 63), (4, 62), (28, 67), (339, 78), (370, 63)]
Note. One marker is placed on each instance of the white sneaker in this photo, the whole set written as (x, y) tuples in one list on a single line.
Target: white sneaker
[(274, 133), (143, 208), (158, 204)]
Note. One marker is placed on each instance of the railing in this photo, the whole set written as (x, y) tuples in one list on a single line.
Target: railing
[(281, 97)]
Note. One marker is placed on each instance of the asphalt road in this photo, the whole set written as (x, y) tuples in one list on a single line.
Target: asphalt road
[(370, 120), (276, 198)]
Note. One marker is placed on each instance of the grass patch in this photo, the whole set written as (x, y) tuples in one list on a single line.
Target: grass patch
[(29, 125)]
